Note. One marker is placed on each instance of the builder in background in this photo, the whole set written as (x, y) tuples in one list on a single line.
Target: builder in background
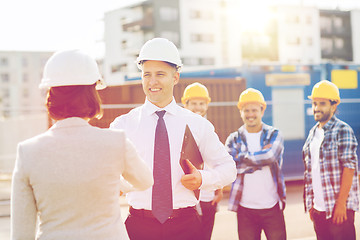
[(196, 99), (331, 192), (258, 193)]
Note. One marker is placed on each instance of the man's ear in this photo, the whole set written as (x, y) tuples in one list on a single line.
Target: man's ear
[(333, 108), (176, 78)]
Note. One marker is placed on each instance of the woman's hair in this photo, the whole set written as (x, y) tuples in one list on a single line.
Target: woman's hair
[(74, 101)]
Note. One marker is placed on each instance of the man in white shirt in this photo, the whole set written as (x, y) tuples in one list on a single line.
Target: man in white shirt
[(196, 98), (160, 63), (258, 193)]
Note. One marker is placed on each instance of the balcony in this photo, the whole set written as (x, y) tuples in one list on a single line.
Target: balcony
[(144, 24)]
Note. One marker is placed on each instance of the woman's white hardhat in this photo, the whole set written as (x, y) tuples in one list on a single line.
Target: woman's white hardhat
[(69, 68)]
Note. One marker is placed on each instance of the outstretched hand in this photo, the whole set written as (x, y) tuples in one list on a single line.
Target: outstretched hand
[(193, 180)]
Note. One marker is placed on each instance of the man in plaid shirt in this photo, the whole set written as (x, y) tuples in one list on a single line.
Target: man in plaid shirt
[(258, 193), (331, 191)]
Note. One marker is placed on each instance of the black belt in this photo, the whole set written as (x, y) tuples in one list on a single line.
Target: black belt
[(176, 212)]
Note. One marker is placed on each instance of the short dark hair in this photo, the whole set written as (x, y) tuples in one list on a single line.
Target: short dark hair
[(169, 63), (74, 101)]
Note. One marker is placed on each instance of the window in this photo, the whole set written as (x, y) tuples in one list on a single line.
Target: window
[(25, 93), (294, 19), (25, 78), (168, 14), (310, 41), (119, 68), (293, 40), (339, 43), (123, 21), (191, 61), (338, 22), (308, 20), (207, 61), (202, 37), (7, 112), (4, 62), (326, 45), (5, 77), (195, 14), (124, 44), (24, 62), (325, 24), (6, 93)]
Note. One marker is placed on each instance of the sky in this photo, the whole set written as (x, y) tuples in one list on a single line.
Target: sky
[(50, 25)]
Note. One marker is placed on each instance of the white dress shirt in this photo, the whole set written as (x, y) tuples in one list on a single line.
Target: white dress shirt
[(139, 125)]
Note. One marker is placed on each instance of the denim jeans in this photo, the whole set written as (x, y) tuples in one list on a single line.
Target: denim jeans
[(325, 229), (252, 221)]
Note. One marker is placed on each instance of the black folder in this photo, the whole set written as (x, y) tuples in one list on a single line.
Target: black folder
[(191, 152)]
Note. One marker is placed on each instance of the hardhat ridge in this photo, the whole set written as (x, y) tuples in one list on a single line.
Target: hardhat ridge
[(159, 49), (195, 90), (71, 67), (251, 95)]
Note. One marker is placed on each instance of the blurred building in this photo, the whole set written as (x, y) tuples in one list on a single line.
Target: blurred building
[(222, 33), (198, 28), (355, 30), (22, 104), (298, 35), (336, 35), (20, 75)]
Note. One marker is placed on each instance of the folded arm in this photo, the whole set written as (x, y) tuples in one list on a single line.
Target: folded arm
[(271, 153)]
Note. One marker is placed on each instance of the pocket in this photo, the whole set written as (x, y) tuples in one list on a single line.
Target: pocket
[(329, 145), (330, 150)]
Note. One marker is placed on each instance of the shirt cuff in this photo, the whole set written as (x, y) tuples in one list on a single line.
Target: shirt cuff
[(206, 180)]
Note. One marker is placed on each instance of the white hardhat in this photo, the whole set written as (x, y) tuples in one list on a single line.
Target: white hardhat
[(71, 67), (159, 49)]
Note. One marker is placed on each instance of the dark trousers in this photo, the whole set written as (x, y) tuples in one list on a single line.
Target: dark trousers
[(325, 229), (207, 219), (252, 221), (183, 227)]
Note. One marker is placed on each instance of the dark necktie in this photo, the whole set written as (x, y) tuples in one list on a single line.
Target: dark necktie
[(162, 206)]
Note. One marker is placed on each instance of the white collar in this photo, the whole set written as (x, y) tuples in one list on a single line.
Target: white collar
[(150, 108)]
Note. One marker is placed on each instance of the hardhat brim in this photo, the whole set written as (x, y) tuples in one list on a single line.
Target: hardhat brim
[(45, 84), (335, 100)]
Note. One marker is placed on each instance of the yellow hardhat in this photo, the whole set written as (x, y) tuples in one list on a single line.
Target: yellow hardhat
[(251, 95), (327, 90), (195, 90)]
